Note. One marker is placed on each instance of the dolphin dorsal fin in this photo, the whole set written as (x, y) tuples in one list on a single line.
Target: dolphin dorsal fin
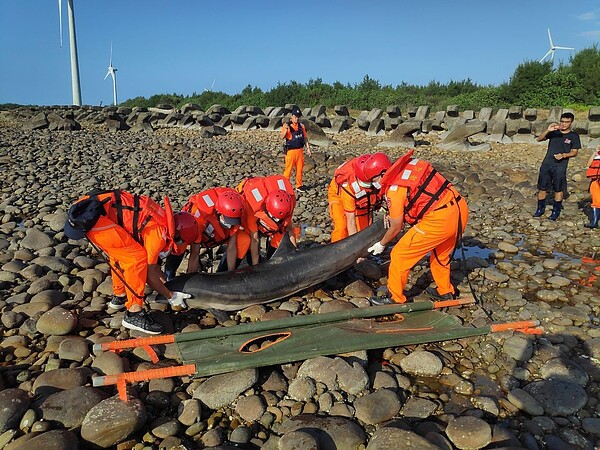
[(285, 246)]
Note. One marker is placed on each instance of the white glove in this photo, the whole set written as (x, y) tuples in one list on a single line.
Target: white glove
[(376, 248), (178, 299)]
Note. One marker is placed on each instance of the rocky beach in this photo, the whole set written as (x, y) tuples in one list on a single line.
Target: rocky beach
[(503, 390)]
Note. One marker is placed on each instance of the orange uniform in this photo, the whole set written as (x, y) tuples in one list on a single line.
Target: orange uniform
[(294, 157), (348, 195), (131, 257), (422, 197)]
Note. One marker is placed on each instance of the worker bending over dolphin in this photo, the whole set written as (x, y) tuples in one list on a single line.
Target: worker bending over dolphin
[(135, 232), (218, 213), (353, 194), (420, 196), (270, 203)]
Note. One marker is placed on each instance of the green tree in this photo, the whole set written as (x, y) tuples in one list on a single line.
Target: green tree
[(525, 79), (585, 65)]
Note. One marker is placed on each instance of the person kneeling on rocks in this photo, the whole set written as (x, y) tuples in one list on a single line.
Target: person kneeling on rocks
[(135, 232), (419, 195), (593, 173)]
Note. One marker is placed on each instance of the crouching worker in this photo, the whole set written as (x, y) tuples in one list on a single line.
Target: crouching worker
[(353, 194), (593, 173), (420, 196), (270, 203), (135, 232), (218, 213)]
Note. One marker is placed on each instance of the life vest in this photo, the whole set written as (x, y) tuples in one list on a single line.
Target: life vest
[(202, 207), (255, 191), (425, 186), (297, 140), (593, 171), (366, 199), (133, 212)]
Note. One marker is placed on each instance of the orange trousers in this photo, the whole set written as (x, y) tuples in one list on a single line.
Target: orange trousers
[(126, 256), (294, 159), (435, 233), (340, 224), (595, 192), (338, 214)]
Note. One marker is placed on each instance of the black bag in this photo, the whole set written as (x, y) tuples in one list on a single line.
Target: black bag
[(82, 217)]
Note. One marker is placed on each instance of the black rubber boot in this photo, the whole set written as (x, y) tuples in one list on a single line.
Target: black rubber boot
[(555, 210), (541, 208), (595, 218)]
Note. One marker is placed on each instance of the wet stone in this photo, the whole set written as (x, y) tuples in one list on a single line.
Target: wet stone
[(558, 397), (388, 438), (422, 363), (377, 407), (469, 432)]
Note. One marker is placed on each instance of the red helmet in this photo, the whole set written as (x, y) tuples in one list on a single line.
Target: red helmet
[(186, 227), (375, 165), (359, 165), (230, 205), (279, 204)]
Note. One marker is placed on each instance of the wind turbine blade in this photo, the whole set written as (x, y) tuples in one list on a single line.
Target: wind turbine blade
[(60, 21), (213, 84), (564, 48), (550, 38), (110, 60), (107, 74), (549, 51)]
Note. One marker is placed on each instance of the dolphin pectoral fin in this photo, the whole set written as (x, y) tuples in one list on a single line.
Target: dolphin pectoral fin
[(285, 246)]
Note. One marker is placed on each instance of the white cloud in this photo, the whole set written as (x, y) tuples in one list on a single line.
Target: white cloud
[(587, 16), (594, 35)]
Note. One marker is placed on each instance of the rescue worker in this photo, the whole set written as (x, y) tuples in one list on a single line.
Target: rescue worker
[(135, 232), (270, 204), (218, 212), (420, 196), (353, 194), (295, 137), (593, 173)]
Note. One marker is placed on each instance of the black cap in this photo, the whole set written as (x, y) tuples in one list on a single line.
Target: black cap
[(296, 111)]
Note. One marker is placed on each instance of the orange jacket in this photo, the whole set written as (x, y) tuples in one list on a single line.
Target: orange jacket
[(254, 191), (425, 187), (202, 207), (134, 212), (356, 197)]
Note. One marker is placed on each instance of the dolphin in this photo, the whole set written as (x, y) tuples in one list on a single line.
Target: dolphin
[(287, 272)]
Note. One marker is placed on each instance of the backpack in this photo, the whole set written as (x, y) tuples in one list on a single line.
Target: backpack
[(83, 215)]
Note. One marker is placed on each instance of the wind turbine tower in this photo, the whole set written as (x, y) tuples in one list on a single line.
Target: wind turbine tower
[(112, 72), (76, 88), (553, 47)]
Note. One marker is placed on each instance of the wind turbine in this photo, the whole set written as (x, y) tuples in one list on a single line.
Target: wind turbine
[(211, 86), (76, 88), (112, 72), (552, 48)]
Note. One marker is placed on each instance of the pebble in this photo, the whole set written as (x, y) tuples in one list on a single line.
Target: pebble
[(535, 389)]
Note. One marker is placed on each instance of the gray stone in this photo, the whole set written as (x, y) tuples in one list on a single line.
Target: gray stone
[(332, 433), (389, 438), (222, 390), (69, 407), (13, 404), (558, 397), (422, 363), (112, 420), (380, 406), (469, 432)]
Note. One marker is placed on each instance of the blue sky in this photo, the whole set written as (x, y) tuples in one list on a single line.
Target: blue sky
[(183, 46)]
